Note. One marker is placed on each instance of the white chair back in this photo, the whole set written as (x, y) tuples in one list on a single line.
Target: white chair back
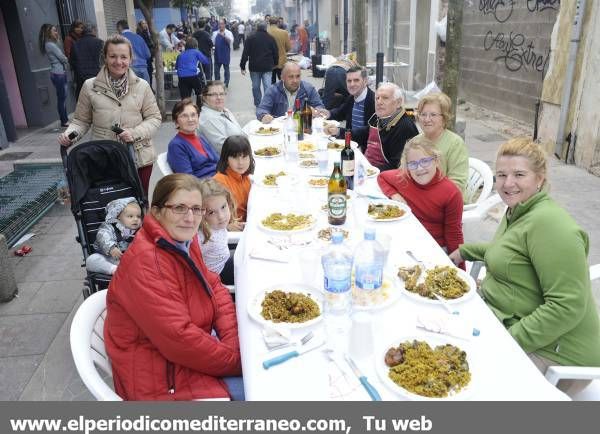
[(87, 346), (160, 169), (480, 176)]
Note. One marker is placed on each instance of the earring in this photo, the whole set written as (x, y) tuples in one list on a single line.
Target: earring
[(539, 187)]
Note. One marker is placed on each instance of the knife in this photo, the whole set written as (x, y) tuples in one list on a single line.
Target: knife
[(368, 386), (283, 357)]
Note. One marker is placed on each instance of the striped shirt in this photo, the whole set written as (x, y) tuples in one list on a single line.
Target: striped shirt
[(358, 114)]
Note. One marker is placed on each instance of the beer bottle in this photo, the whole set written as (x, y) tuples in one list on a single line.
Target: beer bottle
[(307, 118), (298, 120), (336, 196), (347, 160)]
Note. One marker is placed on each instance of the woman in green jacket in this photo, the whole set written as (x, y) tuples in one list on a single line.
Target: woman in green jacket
[(537, 280)]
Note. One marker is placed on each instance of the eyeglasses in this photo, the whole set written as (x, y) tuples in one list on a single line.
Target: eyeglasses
[(188, 115), (217, 94), (423, 162), (184, 209), (429, 115)]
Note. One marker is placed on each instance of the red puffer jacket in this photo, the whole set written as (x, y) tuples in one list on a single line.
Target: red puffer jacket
[(162, 306)]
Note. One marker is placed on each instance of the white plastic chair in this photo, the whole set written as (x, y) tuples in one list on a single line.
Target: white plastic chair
[(480, 177), (556, 373), (87, 346), (160, 169)]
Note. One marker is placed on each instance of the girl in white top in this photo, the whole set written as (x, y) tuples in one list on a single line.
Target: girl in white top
[(219, 210)]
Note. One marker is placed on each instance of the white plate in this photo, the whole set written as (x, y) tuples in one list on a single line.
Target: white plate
[(317, 177), (256, 133), (401, 205), (255, 308), (260, 180), (461, 273), (283, 232), (353, 145), (433, 341), (331, 122), (386, 296), (268, 156), (372, 168)]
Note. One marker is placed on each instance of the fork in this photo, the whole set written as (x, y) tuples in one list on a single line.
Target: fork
[(414, 258), (303, 341)]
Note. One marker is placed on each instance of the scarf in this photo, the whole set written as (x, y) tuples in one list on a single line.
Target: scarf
[(120, 86)]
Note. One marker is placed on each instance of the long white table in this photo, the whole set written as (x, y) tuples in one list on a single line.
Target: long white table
[(500, 369)]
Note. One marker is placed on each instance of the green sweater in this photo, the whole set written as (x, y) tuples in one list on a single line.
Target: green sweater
[(538, 282), (455, 158)]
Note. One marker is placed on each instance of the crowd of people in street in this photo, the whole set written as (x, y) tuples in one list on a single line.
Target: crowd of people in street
[(167, 295)]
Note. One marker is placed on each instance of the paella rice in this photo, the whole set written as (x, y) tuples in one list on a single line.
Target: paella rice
[(291, 307)]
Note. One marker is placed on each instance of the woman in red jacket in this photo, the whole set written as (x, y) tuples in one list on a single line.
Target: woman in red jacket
[(171, 330), (434, 200)]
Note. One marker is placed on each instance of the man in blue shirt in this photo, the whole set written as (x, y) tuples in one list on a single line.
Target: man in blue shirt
[(281, 96), (141, 53), (222, 39)]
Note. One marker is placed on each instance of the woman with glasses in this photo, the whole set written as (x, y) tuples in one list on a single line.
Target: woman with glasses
[(188, 152), (434, 200), (433, 116), (217, 122), (163, 305)]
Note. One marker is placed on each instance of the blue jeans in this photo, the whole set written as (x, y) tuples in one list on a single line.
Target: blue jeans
[(217, 72), (60, 83), (236, 387), (142, 72), (257, 78)]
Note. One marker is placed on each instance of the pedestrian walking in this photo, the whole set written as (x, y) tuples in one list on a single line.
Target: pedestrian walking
[(262, 52), (223, 40)]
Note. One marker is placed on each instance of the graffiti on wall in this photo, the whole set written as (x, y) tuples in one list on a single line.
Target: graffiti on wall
[(516, 52), (514, 49), (501, 10), (541, 5)]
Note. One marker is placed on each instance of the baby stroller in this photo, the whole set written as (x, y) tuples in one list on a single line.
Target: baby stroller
[(98, 172)]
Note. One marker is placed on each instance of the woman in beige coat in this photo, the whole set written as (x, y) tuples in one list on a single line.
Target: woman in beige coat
[(118, 97)]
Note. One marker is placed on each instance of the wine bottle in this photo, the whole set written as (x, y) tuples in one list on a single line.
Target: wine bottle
[(298, 121), (347, 161)]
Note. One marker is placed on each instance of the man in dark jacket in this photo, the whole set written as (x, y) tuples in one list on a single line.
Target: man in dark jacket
[(356, 109), (261, 49), (281, 96), (85, 56), (205, 45)]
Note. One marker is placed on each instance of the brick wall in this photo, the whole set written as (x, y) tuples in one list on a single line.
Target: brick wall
[(505, 53)]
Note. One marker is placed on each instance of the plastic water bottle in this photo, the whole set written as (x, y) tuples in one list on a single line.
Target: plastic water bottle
[(369, 259), (290, 138), (337, 267)]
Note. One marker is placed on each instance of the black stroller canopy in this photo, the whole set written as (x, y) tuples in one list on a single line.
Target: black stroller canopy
[(98, 162)]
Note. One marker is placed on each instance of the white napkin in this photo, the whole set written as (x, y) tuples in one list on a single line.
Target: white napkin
[(267, 252), (444, 323), (274, 336)]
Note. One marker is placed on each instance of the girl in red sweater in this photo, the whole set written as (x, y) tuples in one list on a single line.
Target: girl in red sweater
[(432, 197)]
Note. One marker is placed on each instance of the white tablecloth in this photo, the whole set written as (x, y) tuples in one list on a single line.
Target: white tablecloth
[(500, 369)]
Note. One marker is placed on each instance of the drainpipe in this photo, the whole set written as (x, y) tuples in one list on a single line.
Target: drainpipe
[(568, 84)]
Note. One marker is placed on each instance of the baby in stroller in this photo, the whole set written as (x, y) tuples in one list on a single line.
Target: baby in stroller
[(123, 219)]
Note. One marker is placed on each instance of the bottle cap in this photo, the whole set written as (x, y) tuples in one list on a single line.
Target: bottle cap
[(337, 238), (369, 233)]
